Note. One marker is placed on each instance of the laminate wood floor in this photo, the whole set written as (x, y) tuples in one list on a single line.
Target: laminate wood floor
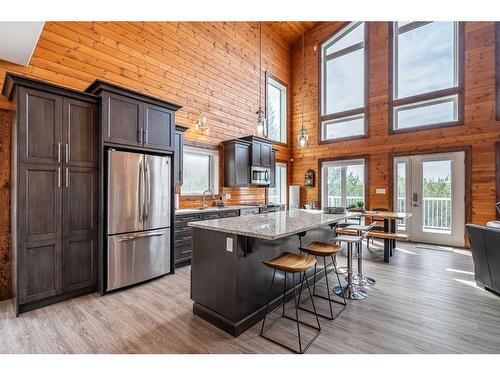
[(425, 301)]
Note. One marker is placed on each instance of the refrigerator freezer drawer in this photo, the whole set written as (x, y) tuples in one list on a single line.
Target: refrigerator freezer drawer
[(137, 257)]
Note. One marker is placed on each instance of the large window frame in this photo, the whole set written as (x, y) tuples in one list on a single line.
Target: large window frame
[(213, 173), (325, 118), (345, 161), (283, 87), (421, 100)]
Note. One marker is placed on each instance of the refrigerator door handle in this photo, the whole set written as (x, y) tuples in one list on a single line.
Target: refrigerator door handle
[(140, 235), (140, 193), (147, 203)]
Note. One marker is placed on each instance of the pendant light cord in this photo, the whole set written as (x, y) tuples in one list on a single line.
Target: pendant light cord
[(303, 82), (260, 66)]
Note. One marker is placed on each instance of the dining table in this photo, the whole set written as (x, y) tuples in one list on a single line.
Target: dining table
[(389, 227)]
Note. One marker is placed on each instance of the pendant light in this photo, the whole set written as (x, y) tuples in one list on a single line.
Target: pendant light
[(260, 130), (303, 137)]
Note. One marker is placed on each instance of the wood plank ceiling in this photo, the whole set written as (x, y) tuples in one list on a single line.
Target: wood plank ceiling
[(290, 31)]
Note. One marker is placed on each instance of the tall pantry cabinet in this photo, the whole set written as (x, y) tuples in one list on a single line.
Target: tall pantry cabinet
[(54, 192)]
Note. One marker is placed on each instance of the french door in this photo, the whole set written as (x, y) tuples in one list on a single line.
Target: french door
[(432, 188)]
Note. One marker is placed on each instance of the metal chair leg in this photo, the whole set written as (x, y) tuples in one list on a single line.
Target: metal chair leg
[(270, 295), (284, 295), (334, 260)]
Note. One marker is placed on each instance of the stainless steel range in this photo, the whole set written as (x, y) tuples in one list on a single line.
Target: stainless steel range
[(138, 222)]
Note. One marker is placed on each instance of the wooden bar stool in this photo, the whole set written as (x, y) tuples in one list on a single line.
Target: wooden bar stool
[(291, 263), (324, 250)]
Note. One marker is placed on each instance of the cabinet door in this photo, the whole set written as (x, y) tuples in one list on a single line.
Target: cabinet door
[(242, 165), (266, 151), (79, 133), (39, 202), (79, 227), (40, 126), (179, 141), (40, 270), (256, 150), (122, 120), (159, 128), (80, 261)]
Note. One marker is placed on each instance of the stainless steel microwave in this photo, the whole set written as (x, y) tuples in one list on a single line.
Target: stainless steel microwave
[(261, 176)]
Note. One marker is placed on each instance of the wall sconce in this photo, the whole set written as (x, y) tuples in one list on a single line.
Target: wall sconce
[(201, 124)]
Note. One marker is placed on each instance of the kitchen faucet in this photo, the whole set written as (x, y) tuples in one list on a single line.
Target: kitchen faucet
[(205, 200)]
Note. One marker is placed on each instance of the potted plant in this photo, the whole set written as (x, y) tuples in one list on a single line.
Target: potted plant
[(358, 206)]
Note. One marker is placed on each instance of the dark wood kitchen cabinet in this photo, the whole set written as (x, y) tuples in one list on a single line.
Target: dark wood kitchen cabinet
[(54, 192), (262, 150), (178, 155), (237, 163), (130, 118)]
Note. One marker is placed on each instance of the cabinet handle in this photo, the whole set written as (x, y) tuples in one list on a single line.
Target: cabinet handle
[(67, 177), (58, 152), (58, 176), (67, 152), (139, 135)]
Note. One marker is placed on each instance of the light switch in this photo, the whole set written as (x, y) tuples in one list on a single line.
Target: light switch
[(229, 244), (380, 191), (227, 196)]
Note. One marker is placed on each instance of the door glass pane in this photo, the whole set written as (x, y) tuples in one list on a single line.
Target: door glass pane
[(436, 198), (355, 184), (334, 184), (345, 82), (352, 37), (426, 59), (196, 178), (401, 193)]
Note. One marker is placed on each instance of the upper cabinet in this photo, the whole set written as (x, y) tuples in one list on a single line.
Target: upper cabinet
[(237, 157), (262, 150), (178, 161), (133, 119)]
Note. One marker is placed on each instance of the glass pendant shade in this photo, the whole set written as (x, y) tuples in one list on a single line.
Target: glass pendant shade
[(303, 138), (261, 124)]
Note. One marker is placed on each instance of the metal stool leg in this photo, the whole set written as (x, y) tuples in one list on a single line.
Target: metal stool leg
[(270, 295), (359, 278), (350, 291), (334, 260)]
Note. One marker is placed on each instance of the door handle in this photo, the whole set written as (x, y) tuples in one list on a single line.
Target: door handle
[(140, 193), (58, 152), (67, 177), (67, 152), (58, 176), (140, 235), (147, 202)]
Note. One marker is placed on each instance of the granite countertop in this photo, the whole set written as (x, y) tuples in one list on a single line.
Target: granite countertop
[(273, 225), (211, 209)]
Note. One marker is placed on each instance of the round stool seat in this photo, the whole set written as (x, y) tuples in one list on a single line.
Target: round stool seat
[(321, 249), (291, 262)]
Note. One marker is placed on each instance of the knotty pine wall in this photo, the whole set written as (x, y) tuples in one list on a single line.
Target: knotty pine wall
[(210, 68), (480, 130)]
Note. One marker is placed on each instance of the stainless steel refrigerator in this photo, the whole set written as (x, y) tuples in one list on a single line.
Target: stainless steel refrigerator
[(138, 217)]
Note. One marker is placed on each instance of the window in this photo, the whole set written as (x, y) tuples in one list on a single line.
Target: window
[(343, 84), (426, 74), (276, 108), (343, 183), (200, 171), (277, 194)]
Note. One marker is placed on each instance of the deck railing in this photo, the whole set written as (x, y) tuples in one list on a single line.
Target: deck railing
[(335, 201), (436, 213)]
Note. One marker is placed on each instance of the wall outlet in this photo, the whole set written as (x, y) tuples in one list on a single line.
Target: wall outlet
[(229, 244), (380, 191), (227, 196)]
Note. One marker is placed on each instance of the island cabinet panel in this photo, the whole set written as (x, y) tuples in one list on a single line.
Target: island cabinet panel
[(40, 126), (54, 174)]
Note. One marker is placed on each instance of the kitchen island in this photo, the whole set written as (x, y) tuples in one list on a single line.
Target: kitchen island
[(229, 283)]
